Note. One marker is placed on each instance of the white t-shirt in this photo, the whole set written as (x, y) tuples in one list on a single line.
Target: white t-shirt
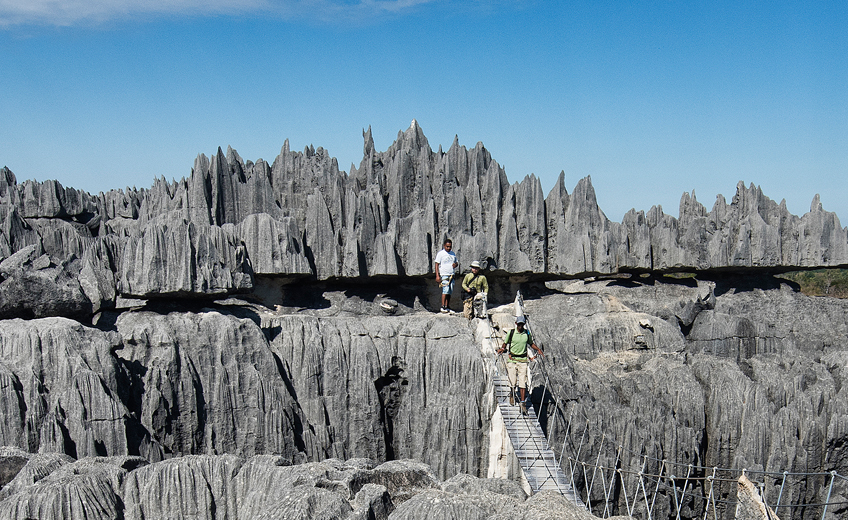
[(445, 260)]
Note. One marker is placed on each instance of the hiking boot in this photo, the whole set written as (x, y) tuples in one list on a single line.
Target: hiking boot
[(523, 408), (445, 310), (511, 399)]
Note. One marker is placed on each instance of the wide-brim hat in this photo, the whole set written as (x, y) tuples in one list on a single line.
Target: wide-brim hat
[(476, 264)]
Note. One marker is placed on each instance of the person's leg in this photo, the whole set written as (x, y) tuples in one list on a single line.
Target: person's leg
[(512, 375), (445, 291), (522, 384)]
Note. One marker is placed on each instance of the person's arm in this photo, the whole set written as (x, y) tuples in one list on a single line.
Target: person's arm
[(537, 349), (484, 284), (438, 276), (503, 346), (465, 286)]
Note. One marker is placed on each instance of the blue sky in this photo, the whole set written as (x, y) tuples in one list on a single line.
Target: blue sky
[(649, 98)]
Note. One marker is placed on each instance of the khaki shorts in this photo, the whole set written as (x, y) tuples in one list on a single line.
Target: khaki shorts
[(516, 370)]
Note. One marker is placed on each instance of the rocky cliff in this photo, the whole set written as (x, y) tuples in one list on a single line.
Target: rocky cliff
[(721, 373), (216, 346)]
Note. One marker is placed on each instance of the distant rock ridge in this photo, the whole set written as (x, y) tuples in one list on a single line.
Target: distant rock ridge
[(232, 219)]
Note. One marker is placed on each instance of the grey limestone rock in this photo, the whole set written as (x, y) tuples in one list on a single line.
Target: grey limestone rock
[(16, 234), (195, 486), (97, 274), (217, 487), (487, 499), (756, 380), (464, 483), (387, 387), (273, 246), (60, 390), (438, 504), (10, 466), (180, 257), (36, 283), (50, 199), (206, 383), (401, 478), (83, 489), (301, 215), (329, 489), (372, 502), (753, 382), (549, 504), (41, 291), (307, 503), (35, 467)]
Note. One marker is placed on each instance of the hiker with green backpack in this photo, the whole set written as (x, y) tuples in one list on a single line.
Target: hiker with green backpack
[(517, 341)]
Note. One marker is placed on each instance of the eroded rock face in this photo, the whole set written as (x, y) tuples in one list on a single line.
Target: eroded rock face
[(209, 382), (206, 383), (61, 391), (708, 373), (755, 381), (384, 388), (208, 234), (225, 487), (89, 488)]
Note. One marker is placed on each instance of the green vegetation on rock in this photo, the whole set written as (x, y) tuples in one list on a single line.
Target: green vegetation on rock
[(821, 282)]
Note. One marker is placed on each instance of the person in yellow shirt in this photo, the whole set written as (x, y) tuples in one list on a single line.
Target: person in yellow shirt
[(473, 284)]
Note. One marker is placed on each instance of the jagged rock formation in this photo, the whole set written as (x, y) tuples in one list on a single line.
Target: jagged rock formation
[(301, 216), (228, 487)]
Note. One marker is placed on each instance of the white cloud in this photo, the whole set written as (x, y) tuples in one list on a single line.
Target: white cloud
[(79, 12)]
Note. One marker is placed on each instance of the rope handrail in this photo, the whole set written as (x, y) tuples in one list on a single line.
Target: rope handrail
[(659, 480), (692, 495)]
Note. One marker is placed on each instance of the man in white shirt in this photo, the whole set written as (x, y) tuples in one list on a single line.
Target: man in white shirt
[(446, 265)]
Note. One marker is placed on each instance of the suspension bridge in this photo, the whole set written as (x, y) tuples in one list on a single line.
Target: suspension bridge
[(602, 477)]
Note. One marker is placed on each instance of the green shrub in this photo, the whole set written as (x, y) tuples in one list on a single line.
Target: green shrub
[(821, 282)]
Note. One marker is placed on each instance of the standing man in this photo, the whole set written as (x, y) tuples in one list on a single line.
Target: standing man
[(446, 265), (517, 340), (476, 287)]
